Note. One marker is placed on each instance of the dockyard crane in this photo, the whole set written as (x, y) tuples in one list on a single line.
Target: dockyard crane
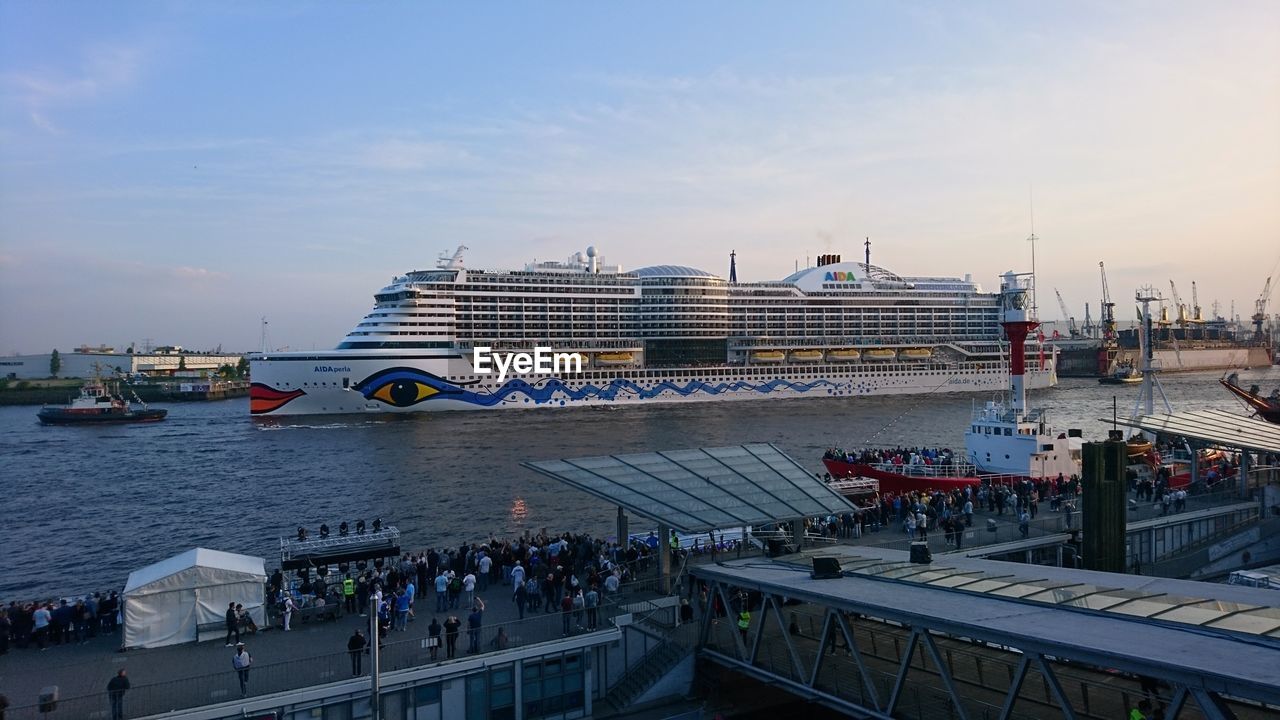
[(1196, 316), (1182, 315), (1260, 311), (1180, 318), (1066, 315), (1089, 329), (1108, 309)]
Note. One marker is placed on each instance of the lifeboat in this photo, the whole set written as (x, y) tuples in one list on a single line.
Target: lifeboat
[(1138, 446), (806, 356), (843, 355), (917, 353), (615, 358), (879, 354), (770, 356)]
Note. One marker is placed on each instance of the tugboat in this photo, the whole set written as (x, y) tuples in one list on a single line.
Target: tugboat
[(1124, 374), (99, 403), (1267, 408), (1003, 444)]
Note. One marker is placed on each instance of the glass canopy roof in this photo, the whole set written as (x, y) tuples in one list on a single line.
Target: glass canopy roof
[(1223, 615), (705, 489), (1216, 427)]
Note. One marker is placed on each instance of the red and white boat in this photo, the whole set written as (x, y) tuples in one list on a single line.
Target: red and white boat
[(1003, 442)]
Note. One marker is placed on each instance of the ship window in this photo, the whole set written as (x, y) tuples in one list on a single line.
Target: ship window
[(346, 383), (1008, 431)]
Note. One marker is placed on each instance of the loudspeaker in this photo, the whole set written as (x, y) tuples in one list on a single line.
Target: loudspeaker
[(920, 553), (825, 568)]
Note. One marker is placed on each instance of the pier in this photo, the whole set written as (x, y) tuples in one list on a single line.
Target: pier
[(962, 636)]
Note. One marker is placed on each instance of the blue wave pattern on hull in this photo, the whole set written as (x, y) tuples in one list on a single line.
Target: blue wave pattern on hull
[(545, 391), (404, 387)]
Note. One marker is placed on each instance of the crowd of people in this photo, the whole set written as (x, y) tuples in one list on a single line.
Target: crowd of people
[(952, 511), (571, 574), (58, 622), (919, 456)]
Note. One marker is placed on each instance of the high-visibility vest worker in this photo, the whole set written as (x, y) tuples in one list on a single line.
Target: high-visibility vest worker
[(675, 541), (348, 587), (744, 620)]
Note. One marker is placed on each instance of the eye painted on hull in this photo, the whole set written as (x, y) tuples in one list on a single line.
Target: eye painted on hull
[(403, 393), (403, 387)]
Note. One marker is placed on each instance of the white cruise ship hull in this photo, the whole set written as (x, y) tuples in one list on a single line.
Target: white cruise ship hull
[(338, 383)]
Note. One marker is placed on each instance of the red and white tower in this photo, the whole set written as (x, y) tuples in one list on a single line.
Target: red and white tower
[(1017, 320)]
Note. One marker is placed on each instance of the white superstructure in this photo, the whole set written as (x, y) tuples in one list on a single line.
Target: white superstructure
[(665, 333), (1010, 439)]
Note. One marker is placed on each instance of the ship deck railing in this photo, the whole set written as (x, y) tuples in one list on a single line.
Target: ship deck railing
[(927, 471)]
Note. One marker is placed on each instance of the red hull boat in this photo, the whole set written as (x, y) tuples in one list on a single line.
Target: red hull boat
[(930, 477)]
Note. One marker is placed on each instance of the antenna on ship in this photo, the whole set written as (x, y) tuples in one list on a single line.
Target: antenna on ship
[(867, 244), (1031, 201), (733, 266), (263, 340)]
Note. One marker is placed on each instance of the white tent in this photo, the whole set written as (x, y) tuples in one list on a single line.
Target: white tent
[(166, 603)]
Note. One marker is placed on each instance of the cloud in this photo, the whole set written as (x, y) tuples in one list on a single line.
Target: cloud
[(182, 272), (103, 69), (42, 122)]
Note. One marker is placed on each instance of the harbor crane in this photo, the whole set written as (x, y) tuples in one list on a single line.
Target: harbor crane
[(1260, 311), (1108, 309), (1180, 319), (1066, 315), (1196, 317), (1089, 329), (1181, 314)]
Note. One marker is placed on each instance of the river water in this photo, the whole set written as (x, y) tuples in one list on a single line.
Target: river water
[(83, 506)]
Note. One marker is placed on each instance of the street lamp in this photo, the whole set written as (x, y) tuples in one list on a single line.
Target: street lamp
[(376, 640)]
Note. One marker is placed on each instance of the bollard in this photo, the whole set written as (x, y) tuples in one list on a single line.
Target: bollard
[(48, 699)]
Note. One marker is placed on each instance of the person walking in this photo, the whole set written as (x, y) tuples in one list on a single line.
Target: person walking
[(289, 608), (355, 646), (521, 598), (116, 688), (241, 662), (744, 622), (233, 624)]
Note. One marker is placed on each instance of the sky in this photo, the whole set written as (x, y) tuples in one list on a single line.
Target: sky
[(174, 172)]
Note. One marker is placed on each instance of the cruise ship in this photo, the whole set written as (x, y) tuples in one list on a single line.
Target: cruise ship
[(438, 339)]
